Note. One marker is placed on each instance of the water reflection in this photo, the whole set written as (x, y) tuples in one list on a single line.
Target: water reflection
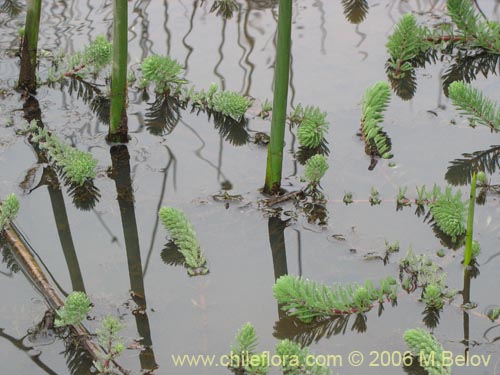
[(162, 115), (120, 160), (460, 170), (355, 10)]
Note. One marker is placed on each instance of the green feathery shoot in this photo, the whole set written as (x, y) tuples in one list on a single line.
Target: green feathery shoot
[(98, 54), (230, 104), (316, 167), (464, 16), (76, 165), (75, 308), (433, 296), (8, 210), (295, 360), (313, 127), (374, 103), (473, 103), (406, 43), (258, 364), (423, 345), (109, 338), (183, 235), (307, 299), (246, 340), (450, 213), (164, 72)]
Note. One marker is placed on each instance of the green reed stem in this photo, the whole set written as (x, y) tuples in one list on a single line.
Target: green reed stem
[(27, 75), (281, 75), (470, 221), (118, 117)]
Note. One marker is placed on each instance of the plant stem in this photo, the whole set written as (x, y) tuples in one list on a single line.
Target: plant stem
[(470, 221), (118, 118), (280, 99), (27, 74)]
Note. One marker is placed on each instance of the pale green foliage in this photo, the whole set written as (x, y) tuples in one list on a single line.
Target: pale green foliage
[(433, 296), (8, 210), (77, 166), (98, 53), (481, 179), (75, 308), (230, 104), (246, 340), (296, 360), (307, 299), (183, 235), (374, 197), (258, 364), (421, 343), (450, 213), (464, 16), (476, 249), (473, 103), (313, 127), (109, 338), (316, 167), (164, 72), (407, 41), (374, 103)]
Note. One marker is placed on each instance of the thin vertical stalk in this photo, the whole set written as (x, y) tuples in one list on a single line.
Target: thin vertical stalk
[(280, 99), (470, 221), (27, 74), (118, 117)]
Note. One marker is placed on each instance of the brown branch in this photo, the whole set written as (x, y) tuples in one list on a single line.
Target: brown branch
[(54, 300), (282, 198)]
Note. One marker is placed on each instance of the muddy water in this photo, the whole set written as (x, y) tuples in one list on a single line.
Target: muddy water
[(116, 247)]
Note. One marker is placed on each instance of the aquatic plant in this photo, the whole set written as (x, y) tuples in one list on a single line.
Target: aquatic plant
[(406, 42), (374, 103), (297, 363), (421, 199), (470, 223), (312, 128), (265, 109), (423, 345), (258, 364), (29, 48), (374, 197), (474, 104), (8, 210), (316, 167), (118, 121), (450, 212), (182, 233), (230, 104), (76, 307), (347, 198), (76, 165), (246, 340), (164, 72), (401, 199), (108, 337), (433, 296), (307, 299), (274, 163)]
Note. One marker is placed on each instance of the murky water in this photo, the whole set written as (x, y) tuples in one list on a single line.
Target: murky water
[(116, 247)]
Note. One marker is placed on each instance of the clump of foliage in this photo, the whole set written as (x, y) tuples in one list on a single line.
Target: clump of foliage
[(423, 345), (183, 235), (347, 198), (307, 299), (8, 210), (316, 167), (76, 165), (230, 104), (450, 213), (420, 271), (76, 307), (164, 72), (374, 103), (474, 104), (374, 198), (297, 363), (246, 340), (108, 337), (313, 126)]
